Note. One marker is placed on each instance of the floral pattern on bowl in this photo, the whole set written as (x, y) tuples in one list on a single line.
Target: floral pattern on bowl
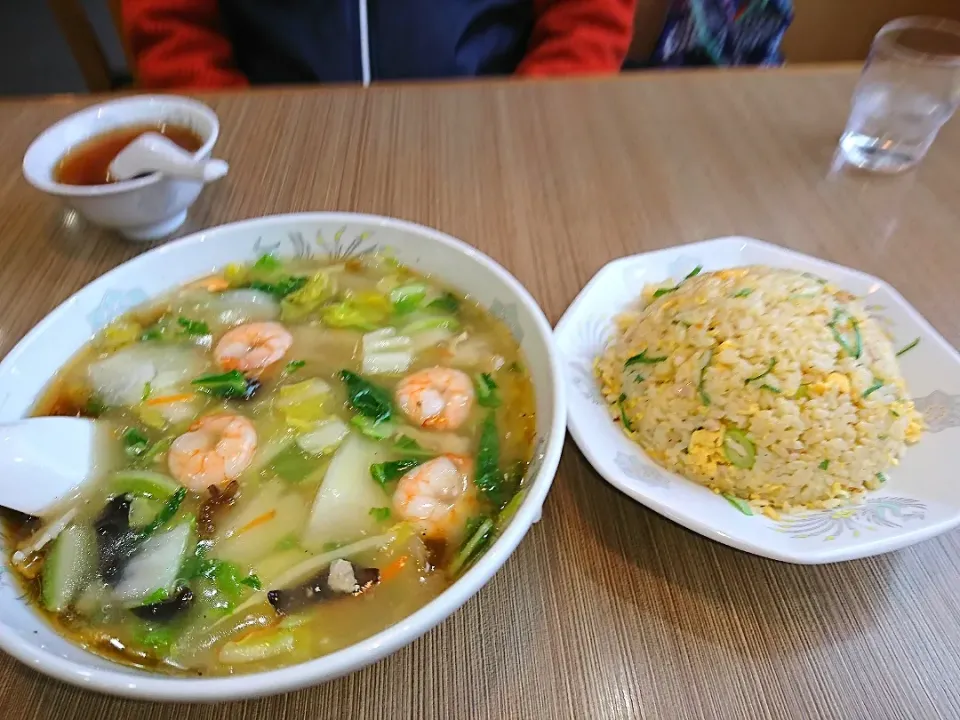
[(921, 498)]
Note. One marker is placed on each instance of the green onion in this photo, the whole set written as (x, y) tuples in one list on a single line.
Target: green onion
[(773, 363), (642, 359), (387, 472), (704, 398), (824, 465), (853, 348), (146, 392), (160, 446), (908, 348), (227, 385), (877, 384), (743, 293), (770, 388), (623, 413), (135, 443), (487, 395), (882, 477), (739, 503), (693, 273), (380, 514), (739, 449)]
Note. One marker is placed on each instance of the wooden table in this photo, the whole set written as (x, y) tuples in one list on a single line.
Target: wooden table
[(607, 609)]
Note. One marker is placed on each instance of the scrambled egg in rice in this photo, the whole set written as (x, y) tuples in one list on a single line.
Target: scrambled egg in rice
[(763, 384)]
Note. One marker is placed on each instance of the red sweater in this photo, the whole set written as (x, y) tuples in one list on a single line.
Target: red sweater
[(178, 43)]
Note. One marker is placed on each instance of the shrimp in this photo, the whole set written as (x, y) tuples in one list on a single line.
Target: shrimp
[(213, 452), (437, 398), (438, 496), (253, 346)]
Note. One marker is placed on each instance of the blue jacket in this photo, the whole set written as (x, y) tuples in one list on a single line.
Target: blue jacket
[(293, 41)]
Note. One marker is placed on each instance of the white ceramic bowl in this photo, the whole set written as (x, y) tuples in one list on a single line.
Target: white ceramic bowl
[(143, 209), (25, 372), (921, 499)]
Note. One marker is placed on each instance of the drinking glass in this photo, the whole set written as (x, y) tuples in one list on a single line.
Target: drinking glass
[(909, 88)]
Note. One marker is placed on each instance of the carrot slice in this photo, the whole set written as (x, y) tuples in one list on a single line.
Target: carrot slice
[(164, 399), (259, 520), (214, 283), (394, 568)]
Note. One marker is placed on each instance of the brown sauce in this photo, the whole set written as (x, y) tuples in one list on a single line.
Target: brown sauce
[(87, 163)]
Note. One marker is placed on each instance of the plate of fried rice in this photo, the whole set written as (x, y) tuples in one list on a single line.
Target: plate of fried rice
[(771, 401)]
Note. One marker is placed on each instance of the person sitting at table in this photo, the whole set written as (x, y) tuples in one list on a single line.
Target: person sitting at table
[(235, 43)]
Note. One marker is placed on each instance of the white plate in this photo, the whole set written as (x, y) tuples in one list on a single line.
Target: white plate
[(921, 499)]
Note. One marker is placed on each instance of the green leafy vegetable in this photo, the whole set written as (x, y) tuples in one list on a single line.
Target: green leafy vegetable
[(266, 263), (908, 348), (849, 340), (135, 443), (307, 299), (158, 595), (380, 514), (445, 303), (193, 327), (252, 581), (226, 385), (387, 472), (94, 407), (408, 298), (154, 332), (739, 449), (488, 478), (487, 391), (430, 322), (160, 446), (366, 398), (743, 293), (166, 513), (293, 366), (877, 384), (623, 413), (158, 639), (293, 465), (773, 364), (373, 429), (643, 359), (302, 403), (146, 392), (279, 288), (476, 542), (701, 390), (824, 465), (739, 503), (411, 447)]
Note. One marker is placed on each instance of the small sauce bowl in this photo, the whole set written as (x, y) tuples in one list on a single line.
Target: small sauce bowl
[(141, 209)]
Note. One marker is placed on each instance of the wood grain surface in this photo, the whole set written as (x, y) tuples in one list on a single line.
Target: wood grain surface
[(607, 610)]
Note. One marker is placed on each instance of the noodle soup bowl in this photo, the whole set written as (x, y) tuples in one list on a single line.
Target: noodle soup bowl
[(34, 362)]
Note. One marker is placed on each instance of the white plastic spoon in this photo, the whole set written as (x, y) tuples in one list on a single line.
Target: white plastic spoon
[(45, 460), (152, 152)]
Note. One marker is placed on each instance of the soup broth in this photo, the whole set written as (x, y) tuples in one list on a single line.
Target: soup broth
[(88, 162), (310, 451)]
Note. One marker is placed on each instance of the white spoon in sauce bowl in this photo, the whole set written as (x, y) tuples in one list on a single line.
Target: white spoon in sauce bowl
[(45, 460), (152, 152)]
